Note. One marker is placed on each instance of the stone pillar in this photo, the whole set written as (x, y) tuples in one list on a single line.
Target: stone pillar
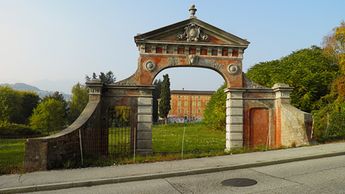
[(234, 118), (95, 89), (144, 126)]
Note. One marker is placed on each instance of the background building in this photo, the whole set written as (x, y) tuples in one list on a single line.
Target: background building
[(188, 103)]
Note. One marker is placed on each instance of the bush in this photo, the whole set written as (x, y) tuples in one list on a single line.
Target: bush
[(12, 130), (329, 122), (214, 115)]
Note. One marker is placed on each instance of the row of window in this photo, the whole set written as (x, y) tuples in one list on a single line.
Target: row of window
[(193, 50), (187, 112), (186, 103)]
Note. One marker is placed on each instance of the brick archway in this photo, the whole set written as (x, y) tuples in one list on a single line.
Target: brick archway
[(189, 43)]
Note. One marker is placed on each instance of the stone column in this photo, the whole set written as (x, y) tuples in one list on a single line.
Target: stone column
[(234, 118), (144, 126)]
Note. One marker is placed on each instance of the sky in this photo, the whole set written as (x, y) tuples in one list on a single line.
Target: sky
[(53, 44)]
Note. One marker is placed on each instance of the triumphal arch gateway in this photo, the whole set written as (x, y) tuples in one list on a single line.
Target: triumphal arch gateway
[(255, 115)]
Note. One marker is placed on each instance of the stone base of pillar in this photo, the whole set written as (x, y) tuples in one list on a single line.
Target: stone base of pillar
[(234, 119)]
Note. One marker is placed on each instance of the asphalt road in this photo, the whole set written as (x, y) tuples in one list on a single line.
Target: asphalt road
[(326, 175)]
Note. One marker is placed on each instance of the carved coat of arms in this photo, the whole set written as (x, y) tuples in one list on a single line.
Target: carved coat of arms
[(192, 33)]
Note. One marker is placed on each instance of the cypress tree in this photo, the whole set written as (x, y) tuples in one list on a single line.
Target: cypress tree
[(164, 104)]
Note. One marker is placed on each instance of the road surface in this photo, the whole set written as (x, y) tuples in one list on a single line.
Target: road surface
[(326, 175)]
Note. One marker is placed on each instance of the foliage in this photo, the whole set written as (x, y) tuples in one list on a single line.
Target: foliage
[(13, 130), (121, 116), (80, 98), (48, 116), (214, 114), (309, 71), (334, 46), (165, 97), (155, 96), (30, 101), (106, 78), (329, 122), (10, 102)]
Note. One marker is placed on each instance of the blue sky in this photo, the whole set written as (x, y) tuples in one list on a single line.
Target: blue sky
[(54, 44)]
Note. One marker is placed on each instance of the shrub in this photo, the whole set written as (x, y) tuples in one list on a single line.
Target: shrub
[(329, 122), (214, 115), (12, 130)]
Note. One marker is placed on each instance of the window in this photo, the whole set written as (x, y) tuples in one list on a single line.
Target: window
[(214, 52), (180, 50), (192, 50), (203, 51), (170, 50), (235, 53), (159, 49), (225, 52), (147, 49)]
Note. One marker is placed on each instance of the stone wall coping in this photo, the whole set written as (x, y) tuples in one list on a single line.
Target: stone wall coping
[(78, 123)]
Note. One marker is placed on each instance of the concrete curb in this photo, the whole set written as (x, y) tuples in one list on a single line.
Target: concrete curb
[(86, 183)]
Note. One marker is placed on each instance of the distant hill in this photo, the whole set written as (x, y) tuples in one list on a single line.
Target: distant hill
[(27, 87)]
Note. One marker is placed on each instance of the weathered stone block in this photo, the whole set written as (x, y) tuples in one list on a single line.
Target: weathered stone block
[(144, 118), (236, 111), (144, 101), (144, 127), (236, 103), (236, 128), (144, 109), (236, 144), (144, 135), (236, 119), (144, 144), (236, 136)]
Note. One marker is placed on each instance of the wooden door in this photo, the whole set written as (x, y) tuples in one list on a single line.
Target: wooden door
[(259, 124)]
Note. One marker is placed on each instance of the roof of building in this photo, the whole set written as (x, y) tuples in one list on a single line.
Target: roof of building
[(199, 92)]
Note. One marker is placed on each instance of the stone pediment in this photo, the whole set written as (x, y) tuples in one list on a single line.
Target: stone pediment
[(191, 32)]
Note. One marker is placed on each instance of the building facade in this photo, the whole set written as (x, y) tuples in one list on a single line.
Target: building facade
[(188, 103)]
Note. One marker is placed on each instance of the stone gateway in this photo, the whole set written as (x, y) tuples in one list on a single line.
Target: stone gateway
[(255, 115)]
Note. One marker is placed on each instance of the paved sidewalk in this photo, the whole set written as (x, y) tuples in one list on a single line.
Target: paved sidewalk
[(58, 179)]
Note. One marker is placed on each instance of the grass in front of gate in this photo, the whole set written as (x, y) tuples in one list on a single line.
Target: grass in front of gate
[(11, 155), (198, 138)]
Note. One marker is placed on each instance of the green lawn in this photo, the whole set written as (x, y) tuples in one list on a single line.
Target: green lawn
[(198, 139), (11, 155)]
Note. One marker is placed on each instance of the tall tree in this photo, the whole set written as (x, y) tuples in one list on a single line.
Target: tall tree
[(48, 116), (164, 104), (155, 96), (30, 101), (334, 46), (59, 97), (10, 104), (78, 102)]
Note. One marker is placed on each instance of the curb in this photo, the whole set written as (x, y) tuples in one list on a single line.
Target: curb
[(87, 183)]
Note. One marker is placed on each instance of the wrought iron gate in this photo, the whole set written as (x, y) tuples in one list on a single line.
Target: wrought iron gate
[(120, 132)]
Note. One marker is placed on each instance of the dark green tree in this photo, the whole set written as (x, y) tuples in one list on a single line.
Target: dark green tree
[(155, 96), (29, 101), (214, 114), (78, 102), (10, 104), (164, 103)]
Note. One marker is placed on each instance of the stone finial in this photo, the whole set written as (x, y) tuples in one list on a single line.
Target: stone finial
[(192, 11)]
